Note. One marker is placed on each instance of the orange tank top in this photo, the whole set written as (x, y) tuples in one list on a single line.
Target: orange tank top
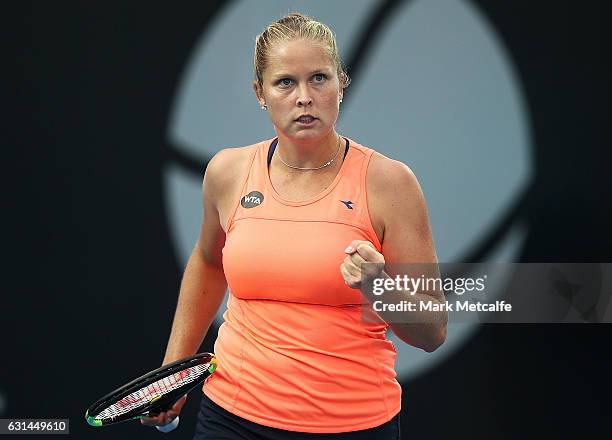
[(294, 352)]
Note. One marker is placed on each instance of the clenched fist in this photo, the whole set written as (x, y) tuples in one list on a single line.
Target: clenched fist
[(352, 268)]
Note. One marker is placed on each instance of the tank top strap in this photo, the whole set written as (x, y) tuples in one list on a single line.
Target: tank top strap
[(254, 150), (351, 191)]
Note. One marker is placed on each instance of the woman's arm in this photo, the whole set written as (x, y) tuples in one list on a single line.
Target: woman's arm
[(203, 285), (398, 211), (201, 293)]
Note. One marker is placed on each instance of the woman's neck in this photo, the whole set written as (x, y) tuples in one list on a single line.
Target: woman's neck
[(312, 154)]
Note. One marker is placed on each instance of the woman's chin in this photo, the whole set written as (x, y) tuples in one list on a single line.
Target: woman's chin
[(306, 135)]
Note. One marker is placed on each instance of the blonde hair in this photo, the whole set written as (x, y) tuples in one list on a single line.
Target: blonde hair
[(294, 26)]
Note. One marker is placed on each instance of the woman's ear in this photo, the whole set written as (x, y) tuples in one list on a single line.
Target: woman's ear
[(259, 93)]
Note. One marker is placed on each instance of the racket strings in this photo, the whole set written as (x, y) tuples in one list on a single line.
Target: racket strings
[(152, 391)]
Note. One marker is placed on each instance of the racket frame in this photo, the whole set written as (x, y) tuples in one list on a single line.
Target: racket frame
[(156, 405)]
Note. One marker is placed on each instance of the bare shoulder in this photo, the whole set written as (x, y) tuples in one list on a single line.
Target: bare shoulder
[(385, 174), (224, 166), (225, 169), (223, 179), (394, 194)]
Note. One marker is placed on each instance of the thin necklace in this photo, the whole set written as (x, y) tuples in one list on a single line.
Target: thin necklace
[(326, 164)]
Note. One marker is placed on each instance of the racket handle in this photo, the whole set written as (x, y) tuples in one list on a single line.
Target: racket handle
[(170, 426)]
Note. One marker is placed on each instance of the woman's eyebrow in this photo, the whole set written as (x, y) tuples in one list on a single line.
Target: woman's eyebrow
[(320, 70), (284, 75)]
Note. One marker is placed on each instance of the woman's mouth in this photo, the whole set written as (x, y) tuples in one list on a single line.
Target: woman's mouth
[(306, 119)]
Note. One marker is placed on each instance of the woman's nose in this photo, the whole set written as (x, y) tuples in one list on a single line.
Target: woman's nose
[(304, 98)]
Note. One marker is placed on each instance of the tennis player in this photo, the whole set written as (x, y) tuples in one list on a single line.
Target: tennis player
[(287, 224)]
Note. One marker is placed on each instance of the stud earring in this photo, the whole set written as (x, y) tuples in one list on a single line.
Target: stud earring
[(264, 107)]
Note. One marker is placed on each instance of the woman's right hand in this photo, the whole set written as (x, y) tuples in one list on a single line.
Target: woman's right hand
[(165, 417)]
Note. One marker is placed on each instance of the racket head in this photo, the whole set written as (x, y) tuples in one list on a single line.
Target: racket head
[(153, 392)]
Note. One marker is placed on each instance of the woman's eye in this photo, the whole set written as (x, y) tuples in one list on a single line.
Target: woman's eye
[(319, 77), (285, 82)]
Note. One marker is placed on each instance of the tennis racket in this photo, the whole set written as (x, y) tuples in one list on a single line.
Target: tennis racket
[(152, 393)]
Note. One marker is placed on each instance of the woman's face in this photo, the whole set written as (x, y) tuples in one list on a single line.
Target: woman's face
[(300, 79)]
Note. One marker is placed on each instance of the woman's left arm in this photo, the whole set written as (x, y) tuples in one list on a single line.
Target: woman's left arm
[(397, 209)]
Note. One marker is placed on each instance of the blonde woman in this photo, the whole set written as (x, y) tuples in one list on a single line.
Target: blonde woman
[(287, 224)]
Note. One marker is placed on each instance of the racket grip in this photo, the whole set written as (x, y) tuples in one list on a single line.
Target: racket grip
[(170, 426)]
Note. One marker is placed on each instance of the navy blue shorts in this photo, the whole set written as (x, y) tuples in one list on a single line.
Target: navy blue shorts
[(216, 423)]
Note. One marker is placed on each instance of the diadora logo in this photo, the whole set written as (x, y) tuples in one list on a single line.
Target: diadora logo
[(347, 203), (252, 199)]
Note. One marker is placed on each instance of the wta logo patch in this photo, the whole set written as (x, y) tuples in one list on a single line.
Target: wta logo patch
[(252, 199)]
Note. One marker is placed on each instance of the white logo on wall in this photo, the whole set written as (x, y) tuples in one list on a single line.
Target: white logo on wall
[(438, 92)]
